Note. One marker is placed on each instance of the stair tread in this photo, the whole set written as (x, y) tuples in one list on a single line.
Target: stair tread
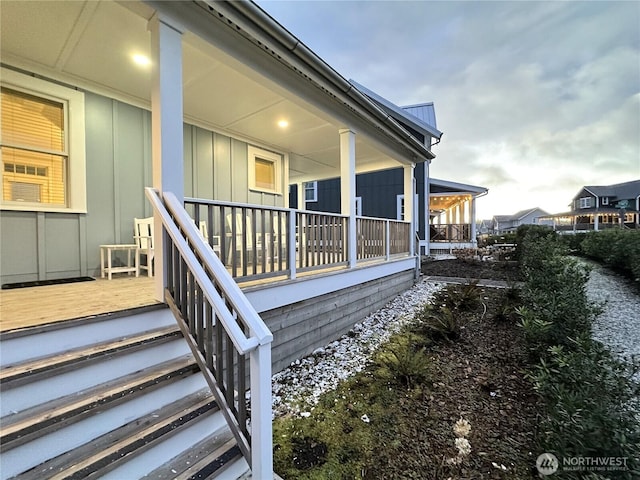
[(105, 452), (16, 428), (199, 458), (26, 371)]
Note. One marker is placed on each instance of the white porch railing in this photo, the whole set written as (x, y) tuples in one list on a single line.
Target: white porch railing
[(221, 328), (380, 237), (254, 241)]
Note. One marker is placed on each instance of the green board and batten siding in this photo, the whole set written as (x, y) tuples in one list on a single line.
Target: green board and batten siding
[(45, 245)]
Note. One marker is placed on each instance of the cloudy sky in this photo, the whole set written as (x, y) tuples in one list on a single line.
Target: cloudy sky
[(535, 99)]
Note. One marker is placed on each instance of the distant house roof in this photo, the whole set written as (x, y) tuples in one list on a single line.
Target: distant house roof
[(420, 122), (624, 190), (518, 215), (457, 187)]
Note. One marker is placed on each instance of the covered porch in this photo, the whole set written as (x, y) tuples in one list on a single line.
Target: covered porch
[(452, 215), (201, 114), (584, 221)]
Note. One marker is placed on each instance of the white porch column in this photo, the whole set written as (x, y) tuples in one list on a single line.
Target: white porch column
[(348, 189), (473, 221), (409, 196), (166, 124)]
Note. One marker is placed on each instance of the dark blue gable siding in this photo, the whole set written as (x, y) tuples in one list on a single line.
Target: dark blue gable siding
[(378, 190)]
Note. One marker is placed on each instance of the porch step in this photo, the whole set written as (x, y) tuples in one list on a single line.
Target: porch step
[(25, 372), (42, 419), (116, 396)]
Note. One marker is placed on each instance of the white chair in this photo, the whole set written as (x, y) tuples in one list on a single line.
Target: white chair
[(239, 230), (215, 244), (143, 237)]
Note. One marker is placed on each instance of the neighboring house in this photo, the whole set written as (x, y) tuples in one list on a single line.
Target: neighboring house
[(510, 223), (597, 207), (484, 227), (218, 108), (450, 212)]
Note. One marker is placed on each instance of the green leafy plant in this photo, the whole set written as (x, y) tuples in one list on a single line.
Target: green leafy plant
[(403, 360), (589, 398), (466, 297), (618, 249), (439, 324)]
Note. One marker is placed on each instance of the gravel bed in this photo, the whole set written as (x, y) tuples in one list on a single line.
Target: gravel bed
[(297, 388), (619, 325)]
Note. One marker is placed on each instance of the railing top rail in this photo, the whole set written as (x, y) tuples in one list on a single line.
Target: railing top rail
[(383, 219), (223, 203), (260, 332), (204, 201)]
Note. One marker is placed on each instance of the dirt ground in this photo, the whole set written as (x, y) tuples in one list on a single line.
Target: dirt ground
[(479, 378)]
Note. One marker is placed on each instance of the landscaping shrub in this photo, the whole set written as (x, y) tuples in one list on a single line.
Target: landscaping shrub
[(590, 405), (442, 319), (531, 232), (554, 289), (618, 249), (403, 361), (573, 242), (589, 399)]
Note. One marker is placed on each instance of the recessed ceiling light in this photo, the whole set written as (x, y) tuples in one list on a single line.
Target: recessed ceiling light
[(283, 124), (141, 60)]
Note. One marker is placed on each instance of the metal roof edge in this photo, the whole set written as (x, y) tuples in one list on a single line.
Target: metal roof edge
[(412, 119), (272, 36)]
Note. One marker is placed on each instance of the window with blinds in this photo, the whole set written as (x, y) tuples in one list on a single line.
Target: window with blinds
[(34, 149), (265, 171)]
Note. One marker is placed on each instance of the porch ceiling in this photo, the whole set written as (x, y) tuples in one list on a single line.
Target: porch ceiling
[(440, 202), (90, 44)]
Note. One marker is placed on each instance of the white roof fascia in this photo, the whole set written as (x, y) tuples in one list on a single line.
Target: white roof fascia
[(587, 189), (464, 188), (414, 121)]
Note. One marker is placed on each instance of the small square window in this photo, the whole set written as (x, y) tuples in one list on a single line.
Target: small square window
[(265, 174), (265, 171)]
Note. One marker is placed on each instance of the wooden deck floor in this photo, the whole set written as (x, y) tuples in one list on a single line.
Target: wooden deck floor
[(23, 307)]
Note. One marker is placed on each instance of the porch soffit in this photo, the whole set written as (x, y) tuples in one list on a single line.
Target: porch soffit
[(220, 92), (444, 201)]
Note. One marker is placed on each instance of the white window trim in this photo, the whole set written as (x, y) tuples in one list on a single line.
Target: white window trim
[(314, 189), (605, 200), (585, 202), (77, 177), (276, 158), (399, 207), (358, 206)]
